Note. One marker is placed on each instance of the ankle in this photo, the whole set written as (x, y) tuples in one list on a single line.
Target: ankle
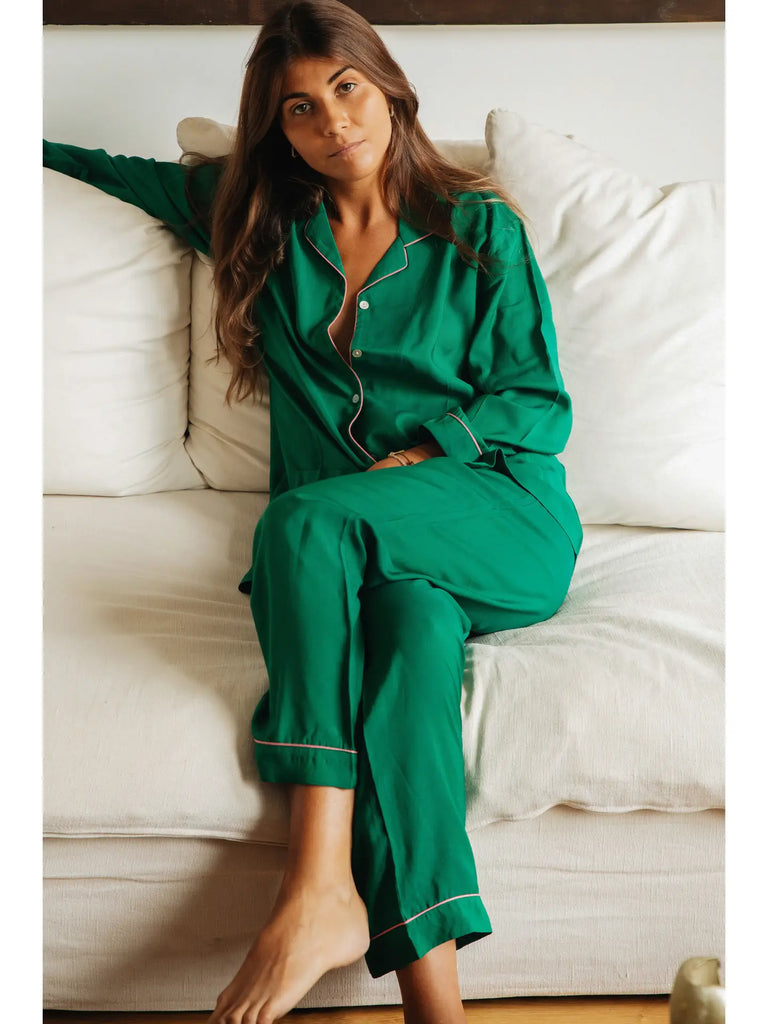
[(430, 988), (424, 1015), (311, 882), (433, 1009)]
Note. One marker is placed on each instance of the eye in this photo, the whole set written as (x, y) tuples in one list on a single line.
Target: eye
[(296, 110), (353, 84)]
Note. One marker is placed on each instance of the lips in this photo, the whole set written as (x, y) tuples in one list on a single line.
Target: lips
[(350, 147)]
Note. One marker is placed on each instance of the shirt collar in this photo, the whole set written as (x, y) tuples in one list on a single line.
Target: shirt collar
[(318, 231)]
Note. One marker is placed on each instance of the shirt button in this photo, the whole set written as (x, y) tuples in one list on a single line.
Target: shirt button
[(357, 351), (364, 304), (355, 398)]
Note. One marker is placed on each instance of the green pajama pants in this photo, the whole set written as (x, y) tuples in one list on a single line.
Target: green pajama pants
[(364, 589)]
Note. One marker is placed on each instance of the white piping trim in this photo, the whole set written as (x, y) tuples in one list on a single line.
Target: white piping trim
[(463, 896), (392, 272), (354, 325), (467, 430), (362, 400), (315, 746)]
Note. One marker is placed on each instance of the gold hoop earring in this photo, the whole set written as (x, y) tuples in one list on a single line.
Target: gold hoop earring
[(293, 151), (391, 112)]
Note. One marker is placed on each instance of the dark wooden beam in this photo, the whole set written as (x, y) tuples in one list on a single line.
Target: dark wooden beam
[(387, 12)]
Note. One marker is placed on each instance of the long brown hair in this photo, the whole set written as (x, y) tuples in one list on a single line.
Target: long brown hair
[(261, 189)]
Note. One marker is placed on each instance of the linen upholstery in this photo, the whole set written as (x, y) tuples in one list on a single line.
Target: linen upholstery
[(579, 903)]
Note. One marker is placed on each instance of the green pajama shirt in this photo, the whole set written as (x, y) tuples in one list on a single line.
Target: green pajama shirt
[(364, 586)]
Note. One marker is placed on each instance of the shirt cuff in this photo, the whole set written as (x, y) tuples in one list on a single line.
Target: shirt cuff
[(453, 434)]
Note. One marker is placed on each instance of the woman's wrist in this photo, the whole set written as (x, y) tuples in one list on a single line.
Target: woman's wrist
[(426, 450), (420, 452)]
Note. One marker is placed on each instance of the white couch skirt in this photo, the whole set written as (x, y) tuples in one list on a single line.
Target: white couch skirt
[(580, 903)]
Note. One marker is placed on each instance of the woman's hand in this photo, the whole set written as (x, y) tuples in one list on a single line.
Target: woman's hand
[(428, 450)]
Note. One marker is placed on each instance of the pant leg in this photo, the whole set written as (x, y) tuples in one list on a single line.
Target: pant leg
[(411, 856), (320, 551)]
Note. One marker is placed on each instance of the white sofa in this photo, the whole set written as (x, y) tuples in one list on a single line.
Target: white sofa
[(593, 741)]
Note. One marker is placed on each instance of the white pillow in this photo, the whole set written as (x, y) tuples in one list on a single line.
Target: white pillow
[(116, 346), (230, 445), (635, 276), (205, 136)]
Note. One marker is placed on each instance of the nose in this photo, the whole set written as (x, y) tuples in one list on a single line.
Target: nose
[(333, 118)]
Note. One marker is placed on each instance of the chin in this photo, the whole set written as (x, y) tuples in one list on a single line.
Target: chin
[(355, 172)]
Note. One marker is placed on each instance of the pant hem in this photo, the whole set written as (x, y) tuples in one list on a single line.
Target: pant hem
[(465, 920), (306, 765)]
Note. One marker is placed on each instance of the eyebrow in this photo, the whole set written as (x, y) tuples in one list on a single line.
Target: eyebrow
[(299, 95)]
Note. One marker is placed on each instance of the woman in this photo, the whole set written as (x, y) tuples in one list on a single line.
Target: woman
[(393, 303)]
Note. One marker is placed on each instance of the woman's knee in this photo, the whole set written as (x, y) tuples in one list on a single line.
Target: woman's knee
[(296, 521), (413, 612)]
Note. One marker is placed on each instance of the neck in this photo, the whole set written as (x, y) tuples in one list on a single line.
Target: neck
[(360, 204)]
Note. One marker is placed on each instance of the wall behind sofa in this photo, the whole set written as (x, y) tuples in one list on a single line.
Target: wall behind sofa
[(650, 96)]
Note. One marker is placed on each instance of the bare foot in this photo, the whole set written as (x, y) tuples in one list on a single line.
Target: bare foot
[(309, 932)]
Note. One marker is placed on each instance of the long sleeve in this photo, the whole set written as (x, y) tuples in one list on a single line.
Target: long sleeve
[(520, 403), (156, 186)]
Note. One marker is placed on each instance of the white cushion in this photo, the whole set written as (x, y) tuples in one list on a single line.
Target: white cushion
[(230, 445), (635, 275), (153, 668), (205, 136), (116, 346)]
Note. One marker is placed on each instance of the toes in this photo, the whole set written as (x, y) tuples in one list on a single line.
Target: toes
[(232, 1014), (266, 1015), (231, 1017)]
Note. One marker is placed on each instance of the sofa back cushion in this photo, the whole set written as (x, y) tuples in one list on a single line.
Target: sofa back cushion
[(636, 280), (116, 346)]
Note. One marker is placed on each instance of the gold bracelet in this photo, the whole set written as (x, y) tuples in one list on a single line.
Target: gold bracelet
[(408, 460)]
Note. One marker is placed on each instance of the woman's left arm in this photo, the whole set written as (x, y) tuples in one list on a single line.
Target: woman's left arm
[(521, 403)]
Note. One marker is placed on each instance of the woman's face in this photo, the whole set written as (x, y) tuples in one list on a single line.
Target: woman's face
[(327, 105)]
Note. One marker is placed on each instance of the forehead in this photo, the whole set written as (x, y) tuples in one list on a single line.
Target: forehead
[(305, 71)]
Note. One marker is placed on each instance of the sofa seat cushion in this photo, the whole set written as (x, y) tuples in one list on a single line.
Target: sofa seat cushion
[(153, 669)]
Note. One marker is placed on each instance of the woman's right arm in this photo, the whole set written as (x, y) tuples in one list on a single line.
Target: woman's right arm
[(155, 186)]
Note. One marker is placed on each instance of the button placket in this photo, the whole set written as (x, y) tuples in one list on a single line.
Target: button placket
[(357, 398), (355, 353), (362, 304)]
